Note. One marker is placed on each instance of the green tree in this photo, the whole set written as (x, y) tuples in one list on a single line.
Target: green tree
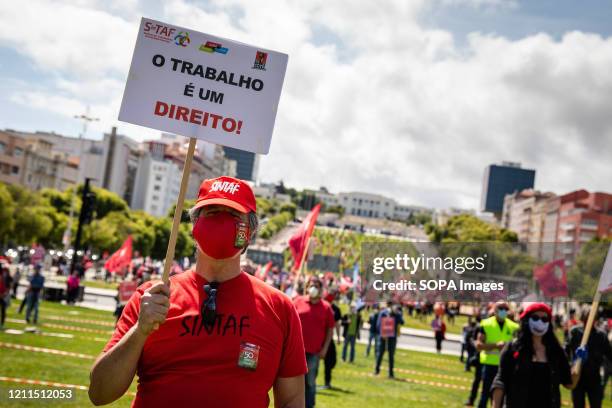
[(59, 200), (32, 223), (289, 208), (31, 216), (7, 208), (108, 233), (263, 206), (184, 241), (467, 228), (583, 277), (275, 224), (107, 202), (59, 222), (187, 205), (337, 209)]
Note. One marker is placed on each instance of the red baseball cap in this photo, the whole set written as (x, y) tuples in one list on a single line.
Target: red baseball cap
[(227, 191), (537, 307)]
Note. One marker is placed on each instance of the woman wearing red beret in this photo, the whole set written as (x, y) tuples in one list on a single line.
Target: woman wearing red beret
[(533, 365)]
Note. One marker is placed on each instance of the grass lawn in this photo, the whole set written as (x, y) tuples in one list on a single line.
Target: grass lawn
[(423, 379)]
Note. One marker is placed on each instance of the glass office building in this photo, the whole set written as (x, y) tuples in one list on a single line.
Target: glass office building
[(246, 163), (503, 179)]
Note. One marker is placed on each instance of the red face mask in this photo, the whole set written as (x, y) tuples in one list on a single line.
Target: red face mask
[(220, 235)]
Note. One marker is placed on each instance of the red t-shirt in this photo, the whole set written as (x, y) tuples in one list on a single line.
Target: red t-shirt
[(187, 363), (316, 318)]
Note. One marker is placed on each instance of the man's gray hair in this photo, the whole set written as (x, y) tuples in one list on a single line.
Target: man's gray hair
[(194, 214)]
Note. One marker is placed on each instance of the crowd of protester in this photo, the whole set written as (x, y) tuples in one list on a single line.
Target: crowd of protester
[(514, 352)]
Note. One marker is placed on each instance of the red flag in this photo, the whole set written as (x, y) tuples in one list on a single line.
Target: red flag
[(120, 259), (552, 278), (299, 240)]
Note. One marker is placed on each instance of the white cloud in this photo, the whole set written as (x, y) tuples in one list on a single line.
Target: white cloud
[(408, 114), (479, 4), (68, 39)]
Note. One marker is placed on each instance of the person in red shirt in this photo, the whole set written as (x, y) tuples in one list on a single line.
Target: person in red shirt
[(318, 325), (213, 337)]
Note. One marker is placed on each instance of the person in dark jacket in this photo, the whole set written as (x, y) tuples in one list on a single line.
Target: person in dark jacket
[(533, 365), (590, 383), (388, 329), (373, 334), (474, 360), (352, 329)]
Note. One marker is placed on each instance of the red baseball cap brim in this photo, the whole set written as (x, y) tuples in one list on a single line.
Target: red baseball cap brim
[(221, 201)]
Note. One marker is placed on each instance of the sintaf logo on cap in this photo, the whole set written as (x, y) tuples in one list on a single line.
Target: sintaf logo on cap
[(225, 186), (227, 191)]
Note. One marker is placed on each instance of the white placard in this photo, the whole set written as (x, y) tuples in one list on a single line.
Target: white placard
[(605, 281), (198, 85)]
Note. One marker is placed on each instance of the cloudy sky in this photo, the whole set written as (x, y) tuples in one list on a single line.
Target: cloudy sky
[(410, 99)]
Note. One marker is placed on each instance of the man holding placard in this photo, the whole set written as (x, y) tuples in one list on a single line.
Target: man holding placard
[(219, 337), (214, 336)]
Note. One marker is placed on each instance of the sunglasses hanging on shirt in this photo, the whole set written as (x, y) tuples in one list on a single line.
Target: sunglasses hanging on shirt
[(209, 307)]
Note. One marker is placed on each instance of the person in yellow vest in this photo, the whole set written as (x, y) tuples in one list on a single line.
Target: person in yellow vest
[(495, 332)]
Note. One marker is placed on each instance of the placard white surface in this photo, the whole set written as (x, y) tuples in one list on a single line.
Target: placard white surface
[(198, 85)]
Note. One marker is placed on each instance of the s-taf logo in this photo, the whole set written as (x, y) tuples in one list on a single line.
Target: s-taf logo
[(260, 60), (182, 39)]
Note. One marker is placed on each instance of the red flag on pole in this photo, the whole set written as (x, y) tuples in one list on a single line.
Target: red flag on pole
[(552, 278), (120, 259), (299, 240)]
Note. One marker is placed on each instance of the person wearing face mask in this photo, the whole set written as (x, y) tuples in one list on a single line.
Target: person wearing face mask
[(495, 332), (215, 336), (388, 328), (318, 325), (533, 365)]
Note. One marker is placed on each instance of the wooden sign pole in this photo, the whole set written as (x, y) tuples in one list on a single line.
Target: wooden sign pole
[(178, 211)]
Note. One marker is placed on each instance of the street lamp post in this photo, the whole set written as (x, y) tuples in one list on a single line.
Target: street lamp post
[(67, 238)]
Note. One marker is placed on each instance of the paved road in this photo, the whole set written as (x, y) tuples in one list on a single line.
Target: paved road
[(419, 343), (100, 299)]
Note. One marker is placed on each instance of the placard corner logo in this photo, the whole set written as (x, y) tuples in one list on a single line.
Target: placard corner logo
[(158, 32), (182, 39), (260, 60), (213, 47)]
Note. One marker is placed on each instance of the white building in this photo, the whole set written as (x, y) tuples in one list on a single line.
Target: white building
[(264, 190), (110, 163), (330, 200), (121, 161), (87, 151), (157, 182), (367, 205)]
